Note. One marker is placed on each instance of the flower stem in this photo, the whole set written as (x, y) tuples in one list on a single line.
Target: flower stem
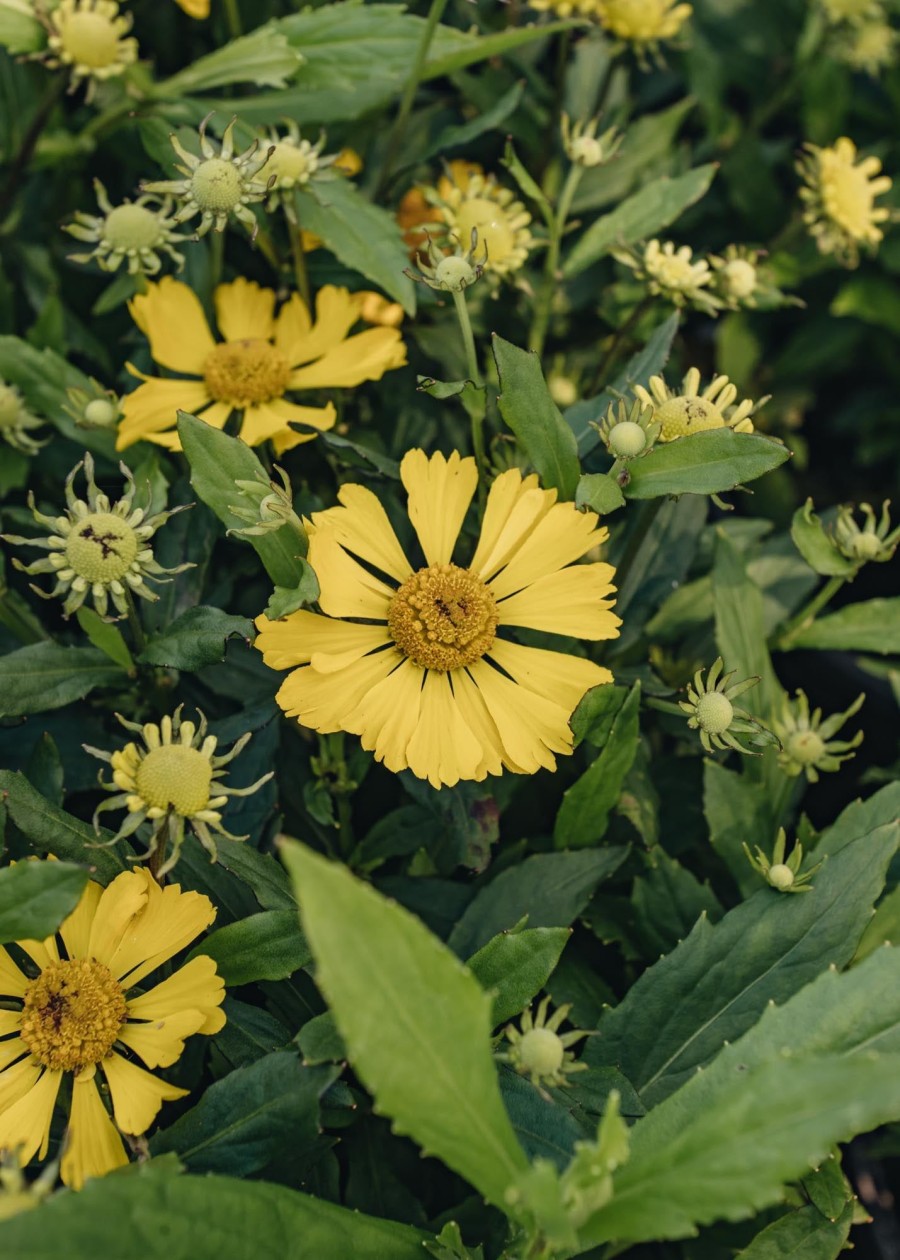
[(476, 404), (298, 254), (216, 257), (134, 621), (233, 19), (544, 305), (807, 615)]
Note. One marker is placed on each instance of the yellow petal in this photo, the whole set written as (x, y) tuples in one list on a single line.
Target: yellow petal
[(365, 357), (574, 601), (117, 907), (440, 491), (346, 589), (337, 310), (15, 1047), (10, 1022), (560, 537), (41, 952), (531, 727), (170, 316), (194, 8), (443, 749), (324, 701), (161, 1043), (93, 1147), (362, 526), (136, 1095), (307, 637), (76, 929), (387, 713), (514, 506), (154, 406), (270, 422), (196, 986), (554, 675), (476, 717), (12, 980), (169, 920), (15, 1083), (25, 1126), (245, 311)]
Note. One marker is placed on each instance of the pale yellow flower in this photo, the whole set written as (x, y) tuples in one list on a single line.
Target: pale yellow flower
[(681, 413), (673, 274), (839, 197), (643, 23), (500, 221), (90, 38)]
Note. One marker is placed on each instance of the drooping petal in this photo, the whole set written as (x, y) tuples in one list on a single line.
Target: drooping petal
[(320, 420), (531, 727), (169, 921), (440, 491), (323, 701), (365, 357), (25, 1125), (119, 904), (12, 980), (514, 506), (346, 589), (15, 1082), (196, 986), (306, 637), (136, 1095), (362, 526), (337, 310), (560, 537), (574, 601), (170, 316), (475, 715), (93, 1148), (245, 311), (386, 715), (443, 749), (556, 676), (160, 1043), (153, 407), (76, 929)]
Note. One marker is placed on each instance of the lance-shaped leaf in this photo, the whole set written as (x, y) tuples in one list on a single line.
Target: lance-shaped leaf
[(872, 626), (704, 463), (35, 897), (46, 676), (534, 417)]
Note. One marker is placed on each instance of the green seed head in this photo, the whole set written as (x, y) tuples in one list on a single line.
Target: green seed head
[(541, 1052), (101, 547), (865, 546), (217, 186), (131, 227), (455, 274), (100, 413), (781, 877), (805, 746), (627, 439), (714, 712)]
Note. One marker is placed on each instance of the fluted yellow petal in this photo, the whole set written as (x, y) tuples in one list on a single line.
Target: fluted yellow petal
[(41, 952), (76, 929), (337, 310), (346, 589), (170, 316), (117, 908), (560, 537), (362, 526), (387, 714), (442, 749), (475, 715), (264, 422), (531, 727), (12, 980), (194, 8), (365, 357), (93, 1147), (440, 491), (153, 408), (136, 1095), (15, 1047), (168, 921), (324, 701), (514, 506), (245, 311), (25, 1122), (15, 1082), (160, 1043), (307, 637), (556, 676), (196, 986), (575, 601)]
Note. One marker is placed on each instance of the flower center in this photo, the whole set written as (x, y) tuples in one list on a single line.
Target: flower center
[(673, 272), (291, 164), (217, 185), (244, 372), (740, 277), (489, 220), (443, 617), (805, 746), (101, 548), (637, 19), (684, 415), (72, 1014), (714, 712), (865, 546), (627, 439), (541, 1052), (131, 227), (89, 39), (781, 876), (175, 776), (847, 196), (10, 407)]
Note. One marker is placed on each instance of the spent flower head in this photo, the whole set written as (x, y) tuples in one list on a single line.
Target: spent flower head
[(643, 24), (218, 183), (451, 272), (839, 198), (807, 746), (711, 710), (875, 541), (782, 875), (170, 778), (736, 275), (629, 432), (538, 1050), (266, 506), (294, 162), (688, 411), (90, 39), (584, 147), (17, 423), (135, 230), (485, 207), (672, 273), (97, 547)]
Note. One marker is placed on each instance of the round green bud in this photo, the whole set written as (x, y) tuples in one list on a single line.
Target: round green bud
[(217, 186), (627, 439), (805, 746), (10, 406), (541, 1052), (586, 151), (455, 273), (780, 877), (865, 546), (131, 227), (100, 413), (714, 712)]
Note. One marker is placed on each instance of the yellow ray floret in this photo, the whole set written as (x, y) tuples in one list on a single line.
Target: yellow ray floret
[(839, 199)]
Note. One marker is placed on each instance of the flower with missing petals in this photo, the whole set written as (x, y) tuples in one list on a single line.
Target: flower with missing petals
[(135, 230), (807, 744), (839, 199), (689, 411), (538, 1050), (783, 876), (17, 424), (673, 274), (710, 710), (875, 541), (90, 38)]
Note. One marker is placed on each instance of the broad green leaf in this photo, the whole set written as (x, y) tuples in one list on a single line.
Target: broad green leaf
[(196, 639), (740, 636), (515, 966), (884, 928), (642, 215), (662, 560), (249, 1033), (320, 1041), (804, 1234), (47, 676), (463, 135), (285, 600), (738, 811), (817, 547), (52, 831), (714, 985), (267, 946), (44, 377), (45, 769), (415, 1021), (363, 236), (105, 636), (551, 888), (253, 1117), (875, 299), (545, 1128), (148, 1214), (704, 463), (533, 416), (20, 31), (259, 871), (217, 461), (263, 57), (872, 626), (586, 805), (648, 141), (35, 897), (472, 49), (599, 492), (597, 710), (667, 902)]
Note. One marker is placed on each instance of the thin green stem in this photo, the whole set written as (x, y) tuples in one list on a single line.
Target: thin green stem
[(395, 138), (807, 615), (19, 164), (620, 339), (475, 405), (298, 254), (544, 305), (134, 621), (465, 327), (233, 19), (216, 257)]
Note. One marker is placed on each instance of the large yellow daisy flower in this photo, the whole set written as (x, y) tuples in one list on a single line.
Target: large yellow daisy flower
[(417, 660), (261, 359), (79, 1007)]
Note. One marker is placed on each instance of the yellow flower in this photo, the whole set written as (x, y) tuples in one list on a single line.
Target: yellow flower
[(672, 273), (643, 22), (80, 1008), (89, 36), (840, 199), (194, 8), (689, 411), (500, 221), (565, 8), (419, 214), (737, 275), (375, 308), (261, 360), (850, 10), (869, 46), (413, 658)]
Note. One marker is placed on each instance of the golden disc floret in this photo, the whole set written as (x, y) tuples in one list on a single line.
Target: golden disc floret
[(443, 617), (72, 1014), (175, 777), (245, 372)]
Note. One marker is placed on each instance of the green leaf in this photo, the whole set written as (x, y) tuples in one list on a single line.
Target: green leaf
[(47, 676), (648, 141), (817, 547), (714, 985), (320, 1041), (285, 600), (552, 889), (20, 31), (105, 636), (263, 57), (196, 639), (642, 215), (802, 1235), (361, 235), (35, 897), (148, 1214), (267, 946), (217, 461), (472, 49), (872, 626), (515, 966), (490, 119), (738, 811), (263, 1112), (586, 805), (597, 710), (704, 463), (55, 832), (599, 492), (533, 416), (875, 299), (667, 902), (415, 1021), (44, 377), (884, 927), (740, 635), (259, 871)]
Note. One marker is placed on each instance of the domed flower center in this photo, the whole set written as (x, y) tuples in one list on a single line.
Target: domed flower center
[(492, 225), (847, 196), (131, 227), (865, 545), (10, 407), (443, 617), (841, 10), (805, 746), (541, 1052), (101, 547), (642, 19), (291, 164), (245, 372), (740, 277), (72, 1015), (683, 415), (455, 273), (780, 876), (714, 712), (217, 185), (177, 777), (627, 439), (89, 38), (672, 271)]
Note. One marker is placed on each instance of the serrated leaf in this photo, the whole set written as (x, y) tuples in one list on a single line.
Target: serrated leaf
[(46, 676), (105, 636), (817, 547), (52, 831), (267, 946), (704, 463), (196, 639), (514, 966), (528, 409), (35, 897), (872, 626), (599, 492), (263, 57), (586, 805), (415, 1021), (803, 1235)]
